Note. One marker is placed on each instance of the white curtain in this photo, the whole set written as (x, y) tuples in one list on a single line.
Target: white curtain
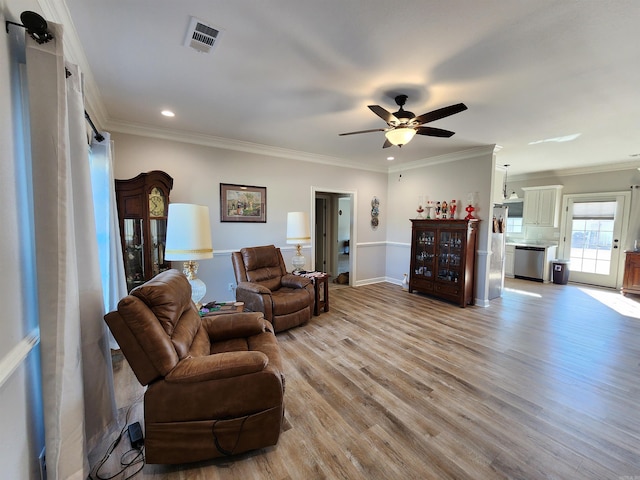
[(114, 282), (76, 363)]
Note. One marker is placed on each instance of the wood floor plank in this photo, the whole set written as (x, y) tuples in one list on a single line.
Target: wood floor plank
[(542, 384)]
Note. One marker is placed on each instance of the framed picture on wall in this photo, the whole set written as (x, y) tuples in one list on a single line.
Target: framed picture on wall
[(243, 203)]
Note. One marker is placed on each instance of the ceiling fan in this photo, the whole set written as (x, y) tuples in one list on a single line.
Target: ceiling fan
[(403, 125)]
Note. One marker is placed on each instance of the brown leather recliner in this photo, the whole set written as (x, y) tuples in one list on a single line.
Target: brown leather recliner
[(286, 300), (215, 383)]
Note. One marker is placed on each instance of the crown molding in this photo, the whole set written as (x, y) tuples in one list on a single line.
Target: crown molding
[(230, 144), (445, 158), (568, 172)]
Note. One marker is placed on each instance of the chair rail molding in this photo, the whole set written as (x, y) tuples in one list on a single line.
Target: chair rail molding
[(12, 360)]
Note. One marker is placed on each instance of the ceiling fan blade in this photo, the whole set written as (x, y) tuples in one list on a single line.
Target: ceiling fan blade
[(434, 132), (440, 113), (382, 113), (387, 144), (363, 131)]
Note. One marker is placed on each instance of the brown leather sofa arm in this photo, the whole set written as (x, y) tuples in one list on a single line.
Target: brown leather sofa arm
[(256, 298), (234, 325), (294, 281), (217, 366), (253, 288)]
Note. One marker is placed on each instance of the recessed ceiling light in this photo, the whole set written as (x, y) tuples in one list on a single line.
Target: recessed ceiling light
[(391, 158), (168, 113)]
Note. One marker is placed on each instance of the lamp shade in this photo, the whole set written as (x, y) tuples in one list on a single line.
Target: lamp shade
[(298, 228), (188, 232), (400, 136)]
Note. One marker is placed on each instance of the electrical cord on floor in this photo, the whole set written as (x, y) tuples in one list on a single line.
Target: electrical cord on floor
[(217, 443), (138, 458)]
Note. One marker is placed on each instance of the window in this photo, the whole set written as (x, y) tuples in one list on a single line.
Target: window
[(592, 237), (514, 218)]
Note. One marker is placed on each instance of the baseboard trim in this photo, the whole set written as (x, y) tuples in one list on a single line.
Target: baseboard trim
[(369, 281)]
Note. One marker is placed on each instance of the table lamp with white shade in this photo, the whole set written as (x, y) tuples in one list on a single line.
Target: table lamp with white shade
[(298, 233), (188, 240)]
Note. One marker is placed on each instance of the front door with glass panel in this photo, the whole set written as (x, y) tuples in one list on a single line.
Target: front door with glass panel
[(592, 239)]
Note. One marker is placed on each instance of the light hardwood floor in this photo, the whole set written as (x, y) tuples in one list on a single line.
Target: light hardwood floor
[(390, 385)]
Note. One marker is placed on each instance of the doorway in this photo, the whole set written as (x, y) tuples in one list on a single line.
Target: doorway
[(593, 237), (333, 233)]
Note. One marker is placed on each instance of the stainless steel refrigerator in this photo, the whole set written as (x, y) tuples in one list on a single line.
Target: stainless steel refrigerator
[(497, 259)]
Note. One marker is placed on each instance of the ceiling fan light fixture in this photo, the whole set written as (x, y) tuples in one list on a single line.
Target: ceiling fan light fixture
[(400, 136)]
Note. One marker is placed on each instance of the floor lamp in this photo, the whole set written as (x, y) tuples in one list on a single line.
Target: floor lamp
[(188, 240)]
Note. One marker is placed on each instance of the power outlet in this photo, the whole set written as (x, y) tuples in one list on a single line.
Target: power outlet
[(231, 287)]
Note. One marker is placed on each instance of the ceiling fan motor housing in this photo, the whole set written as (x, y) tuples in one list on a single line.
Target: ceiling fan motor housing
[(403, 115)]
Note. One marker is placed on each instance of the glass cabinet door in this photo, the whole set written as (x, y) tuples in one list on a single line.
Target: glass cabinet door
[(449, 260), (158, 241), (425, 248), (133, 252)]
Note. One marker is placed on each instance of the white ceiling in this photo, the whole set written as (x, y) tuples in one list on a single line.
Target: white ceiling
[(292, 74)]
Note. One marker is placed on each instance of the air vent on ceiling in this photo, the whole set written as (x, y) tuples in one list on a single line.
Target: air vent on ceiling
[(201, 37)]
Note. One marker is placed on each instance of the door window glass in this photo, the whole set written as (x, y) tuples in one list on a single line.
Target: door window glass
[(592, 237)]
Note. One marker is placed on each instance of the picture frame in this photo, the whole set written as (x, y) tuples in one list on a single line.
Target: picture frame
[(243, 203)]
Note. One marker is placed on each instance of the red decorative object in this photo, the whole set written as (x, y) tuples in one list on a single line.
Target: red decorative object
[(469, 209), (452, 209)]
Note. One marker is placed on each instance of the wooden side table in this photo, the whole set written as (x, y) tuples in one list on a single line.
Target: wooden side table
[(231, 307), (321, 287)]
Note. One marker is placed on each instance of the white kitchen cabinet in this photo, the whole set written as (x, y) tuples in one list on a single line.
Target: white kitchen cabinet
[(509, 252), (542, 206)]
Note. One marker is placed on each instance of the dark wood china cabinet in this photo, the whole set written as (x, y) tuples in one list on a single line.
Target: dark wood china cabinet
[(443, 259)]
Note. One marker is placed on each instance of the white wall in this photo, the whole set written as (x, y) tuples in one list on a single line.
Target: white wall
[(344, 222), (380, 253), (198, 170), (21, 435), (454, 178)]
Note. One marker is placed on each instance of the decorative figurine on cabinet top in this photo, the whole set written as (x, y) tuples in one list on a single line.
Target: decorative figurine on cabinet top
[(445, 210), (429, 208), (452, 209)]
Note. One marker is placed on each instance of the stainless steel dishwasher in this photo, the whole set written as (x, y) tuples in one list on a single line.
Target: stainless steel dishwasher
[(528, 263)]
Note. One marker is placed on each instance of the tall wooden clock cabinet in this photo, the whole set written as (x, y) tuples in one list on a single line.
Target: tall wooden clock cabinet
[(143, 203)]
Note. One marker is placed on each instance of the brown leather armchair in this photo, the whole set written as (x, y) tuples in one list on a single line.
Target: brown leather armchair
[(286, 300), (215, 383)]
